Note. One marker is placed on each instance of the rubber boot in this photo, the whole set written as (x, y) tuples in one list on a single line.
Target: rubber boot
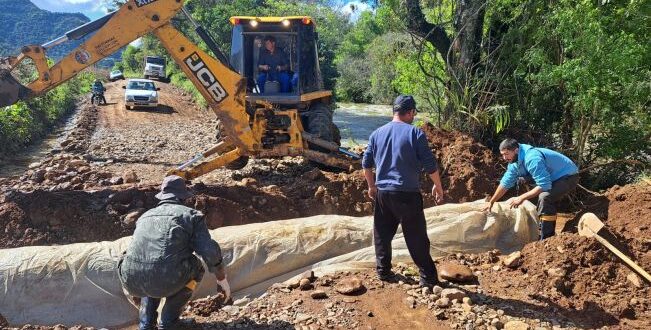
[(547, 226), (148, 314)]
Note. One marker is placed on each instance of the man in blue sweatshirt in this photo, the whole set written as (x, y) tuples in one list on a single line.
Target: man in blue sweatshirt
[(554, 174), (399, 152)]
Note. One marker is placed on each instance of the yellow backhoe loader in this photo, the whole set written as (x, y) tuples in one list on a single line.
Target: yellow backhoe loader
[(252, 121)]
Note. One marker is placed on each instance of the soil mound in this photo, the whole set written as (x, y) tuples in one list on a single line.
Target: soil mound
[(584, 276), (629, 210), (48, 205), (567, 280), (53, 216), (470, 170)]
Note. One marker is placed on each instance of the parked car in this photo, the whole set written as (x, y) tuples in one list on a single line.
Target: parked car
[(140, 93), (115, 75)]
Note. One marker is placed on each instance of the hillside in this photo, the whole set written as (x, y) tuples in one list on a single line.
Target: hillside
[(23, 23)]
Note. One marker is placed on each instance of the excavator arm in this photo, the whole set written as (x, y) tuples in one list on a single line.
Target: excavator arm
[(223, 88)]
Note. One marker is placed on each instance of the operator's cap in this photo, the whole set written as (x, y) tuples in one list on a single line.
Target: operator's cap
[(404, 103), (173, 186)]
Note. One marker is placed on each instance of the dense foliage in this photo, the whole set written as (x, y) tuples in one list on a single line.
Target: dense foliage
[(22, 23), (26, 121), (571, 75)]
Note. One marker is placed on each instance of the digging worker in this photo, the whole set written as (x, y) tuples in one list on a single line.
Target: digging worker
[(554, 174), (159, 262), (399, 152)]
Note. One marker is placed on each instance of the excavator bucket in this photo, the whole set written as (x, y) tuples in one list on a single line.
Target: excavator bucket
[(11, 91)]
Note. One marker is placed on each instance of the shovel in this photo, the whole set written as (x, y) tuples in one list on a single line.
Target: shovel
[(589, 226)]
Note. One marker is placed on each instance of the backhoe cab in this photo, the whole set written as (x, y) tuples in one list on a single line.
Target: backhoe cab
[(296, 39)]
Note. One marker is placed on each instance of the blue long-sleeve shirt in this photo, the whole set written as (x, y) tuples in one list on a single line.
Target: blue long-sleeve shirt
[(399, 152), (544, 166)]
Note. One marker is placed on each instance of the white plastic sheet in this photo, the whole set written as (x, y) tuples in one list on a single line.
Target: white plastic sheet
[(78, 284)]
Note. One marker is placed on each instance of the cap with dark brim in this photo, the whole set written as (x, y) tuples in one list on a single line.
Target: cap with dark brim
[(404, 103)]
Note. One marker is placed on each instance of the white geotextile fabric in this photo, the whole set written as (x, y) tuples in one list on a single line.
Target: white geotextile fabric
[(78, 284)]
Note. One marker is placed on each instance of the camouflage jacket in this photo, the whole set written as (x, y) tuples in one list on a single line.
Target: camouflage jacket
[(159, 260)]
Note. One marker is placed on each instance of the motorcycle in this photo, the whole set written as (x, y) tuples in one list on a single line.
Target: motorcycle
[(98, 98)]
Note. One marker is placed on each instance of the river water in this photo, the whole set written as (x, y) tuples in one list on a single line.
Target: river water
[(357, 121)]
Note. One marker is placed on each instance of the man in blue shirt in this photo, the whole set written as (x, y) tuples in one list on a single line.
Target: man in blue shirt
[(399, 152), (555, 175)]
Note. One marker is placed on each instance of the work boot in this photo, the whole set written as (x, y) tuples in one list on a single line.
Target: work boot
[(389, 276), (547, 226), (425, 284), (148, 313)]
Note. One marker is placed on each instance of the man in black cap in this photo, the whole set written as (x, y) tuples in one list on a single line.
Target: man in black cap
[(399, 152), (159, 262)]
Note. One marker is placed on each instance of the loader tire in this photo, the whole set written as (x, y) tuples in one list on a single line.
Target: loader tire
[(319, 123), (237, 164)]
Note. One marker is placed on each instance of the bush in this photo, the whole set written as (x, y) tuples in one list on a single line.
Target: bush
[(26, 121)]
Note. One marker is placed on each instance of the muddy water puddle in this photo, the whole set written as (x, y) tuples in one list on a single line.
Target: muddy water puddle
[(18, 163), (356, 121)]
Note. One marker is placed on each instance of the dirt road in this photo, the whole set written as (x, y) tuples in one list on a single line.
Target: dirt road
[(150, 141)]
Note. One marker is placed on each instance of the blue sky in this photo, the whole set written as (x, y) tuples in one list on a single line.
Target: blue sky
[(92, 8), (97, 8)]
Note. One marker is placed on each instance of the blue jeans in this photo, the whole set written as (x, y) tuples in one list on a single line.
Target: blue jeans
[(170, 314), (161, 283), (281, 77)]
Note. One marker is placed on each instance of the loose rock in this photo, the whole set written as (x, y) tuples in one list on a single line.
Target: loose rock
[(453, 294), (443, 302), (635, 280), (130, 177), (318, 294), (513, 260), (516, 325), (456, 273), (300, 317), (410, 302), (556, 272), (349, 285), (304, 284)]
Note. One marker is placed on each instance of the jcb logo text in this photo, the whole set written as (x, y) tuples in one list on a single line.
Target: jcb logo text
[(207, 78), (141, 3)]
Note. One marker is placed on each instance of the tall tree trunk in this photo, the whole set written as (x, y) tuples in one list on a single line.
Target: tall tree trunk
[(416, 24), (462, 53), (468, 24)]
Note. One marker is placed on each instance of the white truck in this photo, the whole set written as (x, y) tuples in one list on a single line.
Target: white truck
[(155, 67)]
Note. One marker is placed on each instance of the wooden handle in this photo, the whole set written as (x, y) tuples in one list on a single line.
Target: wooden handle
[(622, 256)]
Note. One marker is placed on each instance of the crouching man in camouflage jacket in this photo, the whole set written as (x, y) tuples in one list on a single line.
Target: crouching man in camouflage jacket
[(159, 262)]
